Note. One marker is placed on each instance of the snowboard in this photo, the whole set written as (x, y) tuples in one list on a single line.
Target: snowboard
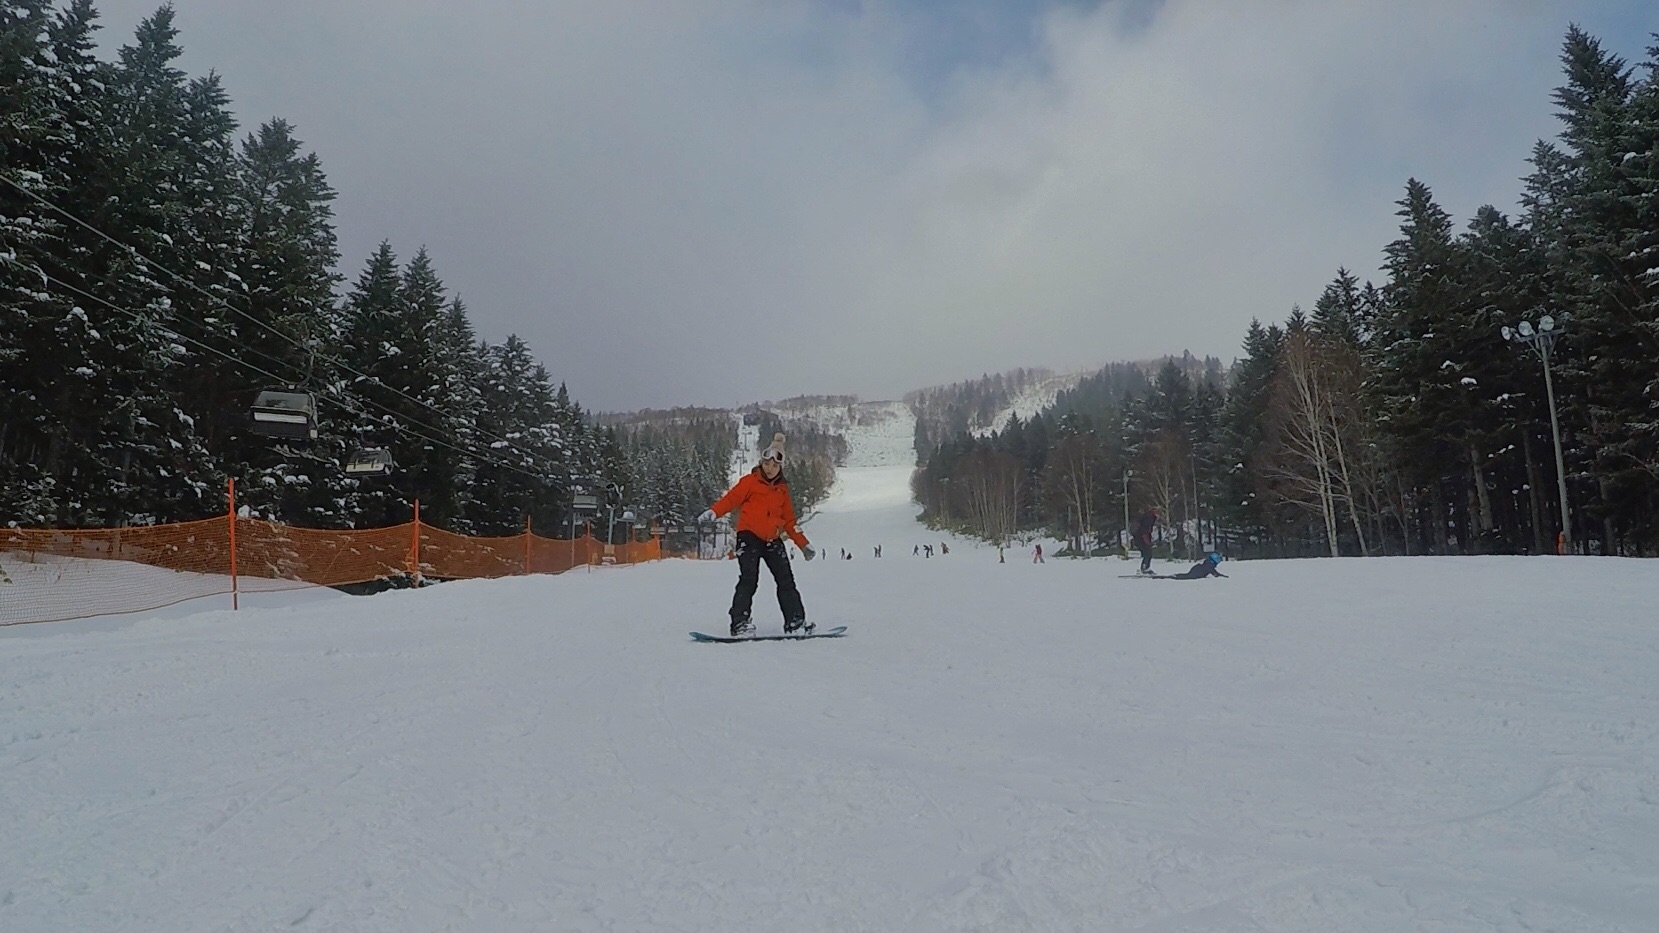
[(836, 632)]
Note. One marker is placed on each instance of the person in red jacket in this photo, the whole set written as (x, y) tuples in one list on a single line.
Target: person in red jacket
[(765, 517)]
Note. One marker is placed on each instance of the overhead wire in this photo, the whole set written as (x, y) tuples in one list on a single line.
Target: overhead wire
[(343, 401), (221, 302)]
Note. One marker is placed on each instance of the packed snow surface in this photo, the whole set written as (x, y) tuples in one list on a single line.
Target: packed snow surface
[(1323, 745), (43, 587)]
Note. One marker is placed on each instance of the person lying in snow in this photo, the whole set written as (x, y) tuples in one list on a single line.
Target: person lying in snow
[(1200, 570)]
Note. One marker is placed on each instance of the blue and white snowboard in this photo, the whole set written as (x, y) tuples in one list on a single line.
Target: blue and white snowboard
[(836, 632)]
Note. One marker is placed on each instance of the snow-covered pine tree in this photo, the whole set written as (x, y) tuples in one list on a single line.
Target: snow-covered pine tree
[(1610, 252), (459, 366), (1337, 315), (119, 448), (1243, 509), (402, 341), (1546, 272), (1500, 381), (420, 390), (1417, 358), (37, 332), (527, 471), (373, 346), (284, 285)]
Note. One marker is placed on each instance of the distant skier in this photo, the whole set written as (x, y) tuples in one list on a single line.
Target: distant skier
[(1037, 555), (1141, 533), (943, 549), (1200, 570), (765, 516), (915, 550)]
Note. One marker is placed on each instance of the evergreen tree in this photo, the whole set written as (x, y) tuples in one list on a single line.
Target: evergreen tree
[(1338, 314), (528, 470), (283, 317), (121, 449), (1416, 380), (374, 347), (1609, 246), (1244, 419), (38, 336)]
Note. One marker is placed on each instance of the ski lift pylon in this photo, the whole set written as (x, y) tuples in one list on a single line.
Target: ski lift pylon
[(285, 414)]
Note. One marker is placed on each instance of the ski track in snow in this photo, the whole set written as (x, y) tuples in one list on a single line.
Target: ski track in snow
[(1358, 745)]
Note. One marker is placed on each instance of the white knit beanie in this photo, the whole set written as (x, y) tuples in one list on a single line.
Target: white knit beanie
[(777, 445)]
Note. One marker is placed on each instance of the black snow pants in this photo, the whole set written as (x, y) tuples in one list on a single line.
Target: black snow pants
[(751, 550), (1145, 546)]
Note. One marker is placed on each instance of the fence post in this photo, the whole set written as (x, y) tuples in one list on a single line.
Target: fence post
[(415, 545), (230, 487), (527, 545)]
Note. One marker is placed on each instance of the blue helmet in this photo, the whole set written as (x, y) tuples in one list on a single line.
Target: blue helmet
[(1215, 558)]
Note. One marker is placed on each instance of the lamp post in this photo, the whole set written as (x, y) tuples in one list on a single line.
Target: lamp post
[(613, 498), (1541, 340), (1126, 475), (583, 505)]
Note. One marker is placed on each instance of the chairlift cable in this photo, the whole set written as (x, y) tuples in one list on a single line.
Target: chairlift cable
[(133, 250), (398, 419), (342, 401)]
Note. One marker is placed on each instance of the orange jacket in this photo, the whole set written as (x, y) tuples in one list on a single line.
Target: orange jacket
[(764, 507)]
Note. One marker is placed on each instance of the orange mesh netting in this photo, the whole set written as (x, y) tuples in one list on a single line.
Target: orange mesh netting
[(319, 556), (51, 575)]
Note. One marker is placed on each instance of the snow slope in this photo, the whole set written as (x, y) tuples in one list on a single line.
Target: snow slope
[(1335, 745), (870, 501), (45, 587), (1030, 402)]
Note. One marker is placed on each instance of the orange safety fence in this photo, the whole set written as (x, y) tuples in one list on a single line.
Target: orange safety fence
[(52, 575)]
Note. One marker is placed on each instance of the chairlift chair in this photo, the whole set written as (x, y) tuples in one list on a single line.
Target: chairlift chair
[(370, 461), (288, 415)]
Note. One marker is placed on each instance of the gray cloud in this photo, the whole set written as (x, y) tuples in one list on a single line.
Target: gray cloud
[(687, 202)]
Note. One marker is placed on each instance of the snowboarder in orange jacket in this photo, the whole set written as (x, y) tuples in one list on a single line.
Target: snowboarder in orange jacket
[(765, 517)]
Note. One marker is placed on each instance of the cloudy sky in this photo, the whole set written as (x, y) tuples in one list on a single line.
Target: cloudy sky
[(719, 201)]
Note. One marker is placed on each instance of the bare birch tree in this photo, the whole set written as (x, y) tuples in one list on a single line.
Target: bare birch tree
[(1162, 472), (1072, 478), (1323, 453), (1304, 447), (986, 486)]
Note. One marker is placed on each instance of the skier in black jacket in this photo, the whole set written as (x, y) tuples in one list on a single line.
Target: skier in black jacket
[(1141, 533)]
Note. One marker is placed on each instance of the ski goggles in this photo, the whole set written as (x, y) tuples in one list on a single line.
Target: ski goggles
[(772, 453)]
